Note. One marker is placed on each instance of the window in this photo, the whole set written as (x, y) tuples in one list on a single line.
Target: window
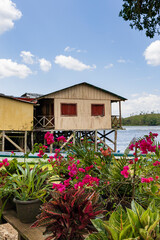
[(97, 110), (68, 109)]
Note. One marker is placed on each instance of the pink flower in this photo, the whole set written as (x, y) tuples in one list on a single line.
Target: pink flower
[(45, 147), (46, 135), (125, 172), (146, 180), (39, 155), (61, 139), (78, 162), (157, 177), (7, 164), (130, 161), (88, 168), (156, 163), (66, 182), (5, 160), (12, 152), (59, 187), (49, 137), (131, 146), (1, 164), (81, 170), (125, 168)]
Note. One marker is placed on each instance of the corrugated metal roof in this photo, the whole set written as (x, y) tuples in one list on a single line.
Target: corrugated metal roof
[(14, 98)]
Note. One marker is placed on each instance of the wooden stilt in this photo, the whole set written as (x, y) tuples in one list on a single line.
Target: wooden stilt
[(14, 144), (25, 142), (115, 141), (64, 144), (32, 140), (120, 117), (3, 141), (51, 145), (96, 141), (74, 137), (104, 132)]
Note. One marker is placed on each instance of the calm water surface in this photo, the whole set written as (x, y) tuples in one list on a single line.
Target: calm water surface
[(124, 137)]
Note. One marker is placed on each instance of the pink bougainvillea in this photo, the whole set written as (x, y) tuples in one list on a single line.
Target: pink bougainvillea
[(49, 138), (147, 180), (61, 139), (4, 163), (125, 172)]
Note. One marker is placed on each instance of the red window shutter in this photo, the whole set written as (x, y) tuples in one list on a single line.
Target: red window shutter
[(97, 109), (69, 109)]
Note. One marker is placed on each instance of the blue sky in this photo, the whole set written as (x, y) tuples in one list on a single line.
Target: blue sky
[(52, 44)]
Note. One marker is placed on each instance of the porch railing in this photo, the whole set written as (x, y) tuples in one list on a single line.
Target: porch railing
[(44, 122), (116, 121)]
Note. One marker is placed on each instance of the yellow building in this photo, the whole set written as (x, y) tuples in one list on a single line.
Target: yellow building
[(15, 115)]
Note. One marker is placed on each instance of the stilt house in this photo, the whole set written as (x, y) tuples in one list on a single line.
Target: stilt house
[(79, 107)]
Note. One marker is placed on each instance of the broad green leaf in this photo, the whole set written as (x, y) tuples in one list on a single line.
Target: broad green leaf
[(99, 225), (126, 233), (114, 234), (153, 226), (137, 209), (134, 221), (154, 189)]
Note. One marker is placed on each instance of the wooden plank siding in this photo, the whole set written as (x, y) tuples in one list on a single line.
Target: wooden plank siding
[(84, 95), (15, 115), (82, 92), (83, 120)]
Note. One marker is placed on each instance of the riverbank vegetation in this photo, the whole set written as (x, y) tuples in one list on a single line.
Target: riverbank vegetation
[(143, 119)]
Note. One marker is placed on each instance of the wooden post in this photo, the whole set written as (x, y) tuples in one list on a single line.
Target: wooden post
[(104, 139), (96, 141), (120, 117), (51, 145), (32, 140), (25, 142), (3, 141), (115, 141), (74, 137)]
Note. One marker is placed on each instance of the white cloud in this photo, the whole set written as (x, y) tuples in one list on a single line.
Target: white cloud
[(109, 66), (72, 63), (45, 65), (8, 68), (121, 60), (145, 102), (152, 53), (8, 14), (69, 49), (27, 57)]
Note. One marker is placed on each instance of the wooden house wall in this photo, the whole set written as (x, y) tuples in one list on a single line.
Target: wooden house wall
[(15, 115), (82, 92), (83, 120)]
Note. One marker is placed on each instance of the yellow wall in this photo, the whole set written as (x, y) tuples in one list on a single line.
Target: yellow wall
[(83, 120), (15, 115)]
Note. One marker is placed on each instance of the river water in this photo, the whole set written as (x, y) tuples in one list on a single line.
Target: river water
[(124, 137)]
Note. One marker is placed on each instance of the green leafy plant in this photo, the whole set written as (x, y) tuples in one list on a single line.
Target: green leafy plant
[(133, 224), (67, 216), (29, 183)]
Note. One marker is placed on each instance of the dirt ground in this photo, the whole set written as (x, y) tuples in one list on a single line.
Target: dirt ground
[(7, 232)]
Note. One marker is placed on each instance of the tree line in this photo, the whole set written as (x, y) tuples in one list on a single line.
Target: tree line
[(152, 119)]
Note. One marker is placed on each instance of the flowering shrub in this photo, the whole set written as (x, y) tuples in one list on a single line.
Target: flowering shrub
[(144, 170)]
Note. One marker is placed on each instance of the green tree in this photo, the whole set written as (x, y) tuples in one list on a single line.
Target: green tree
[(142, 15)]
